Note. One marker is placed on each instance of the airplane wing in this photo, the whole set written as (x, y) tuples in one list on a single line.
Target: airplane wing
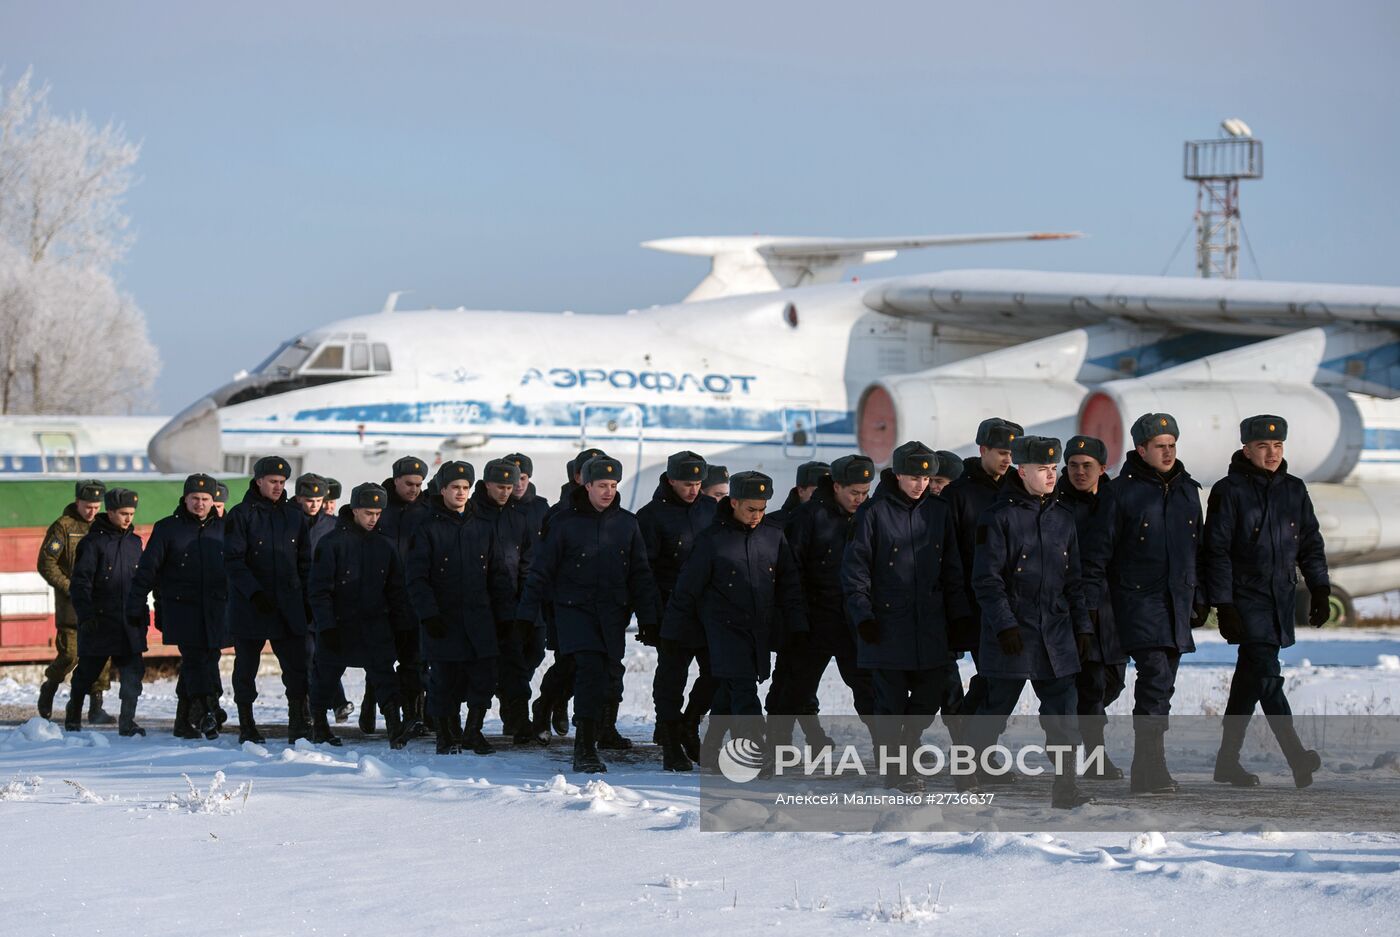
[(1027, 301)]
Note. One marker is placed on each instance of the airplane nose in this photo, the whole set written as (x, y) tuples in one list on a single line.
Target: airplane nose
[(190, 441)]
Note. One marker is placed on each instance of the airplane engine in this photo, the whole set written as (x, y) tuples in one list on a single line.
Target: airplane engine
[(1325, 429), (943, 412)]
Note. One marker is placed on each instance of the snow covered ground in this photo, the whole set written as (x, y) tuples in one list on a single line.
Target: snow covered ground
[(105, 835)]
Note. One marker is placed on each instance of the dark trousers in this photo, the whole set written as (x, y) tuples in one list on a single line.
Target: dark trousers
[(518, 662), (592, 683), (454, 682), (1156, 680), (737, 696), (291, 656), (672, 673), (339, 699), (65, 658), (798, 674), (199, 672), (557, 684), (326, 684), (910, 692), (130, 667), (410, 672), (1098, 685), (1058, 702), (1257, 681)]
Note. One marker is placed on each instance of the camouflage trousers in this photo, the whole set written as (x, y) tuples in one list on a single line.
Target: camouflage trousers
[(65, 645)]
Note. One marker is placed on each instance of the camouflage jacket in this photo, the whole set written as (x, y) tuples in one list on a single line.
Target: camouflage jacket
[(56, 556)]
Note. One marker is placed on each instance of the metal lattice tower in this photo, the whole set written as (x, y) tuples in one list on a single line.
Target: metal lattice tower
[(1217, 166)]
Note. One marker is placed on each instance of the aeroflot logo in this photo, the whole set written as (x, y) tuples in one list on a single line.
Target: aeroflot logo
[(661, 382)]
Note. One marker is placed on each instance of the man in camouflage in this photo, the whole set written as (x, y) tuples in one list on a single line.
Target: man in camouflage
[(56, 556)]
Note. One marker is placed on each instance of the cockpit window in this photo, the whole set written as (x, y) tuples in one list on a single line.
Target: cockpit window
[(286, 359), (381, 357), (329, 358), (359, 357)]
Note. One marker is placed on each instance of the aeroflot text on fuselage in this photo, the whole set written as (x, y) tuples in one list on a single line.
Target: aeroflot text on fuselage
[(661, 382)]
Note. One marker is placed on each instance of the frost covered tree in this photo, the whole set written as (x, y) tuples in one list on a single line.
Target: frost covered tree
[(70, 340)]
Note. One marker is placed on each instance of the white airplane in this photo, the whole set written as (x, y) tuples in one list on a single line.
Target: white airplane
[(772, 362)]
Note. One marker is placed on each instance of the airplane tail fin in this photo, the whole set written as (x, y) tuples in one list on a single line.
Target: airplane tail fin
[(764, 263)]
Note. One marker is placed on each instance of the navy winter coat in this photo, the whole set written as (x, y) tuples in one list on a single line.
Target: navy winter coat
[(818, 533), (741, 590), (1027, 576), (902, 569), (593, 568), (534, 508), (1154, 567), (400, 518), (969, 495), (266, 550), (454, 573), (514, 539), (1091, 517), (101, 591), (669, 528), (358, 591), (1260, 530), (184, 566)]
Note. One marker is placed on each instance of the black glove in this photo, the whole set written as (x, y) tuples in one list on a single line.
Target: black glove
[(1199, 614), (524, 632), (1230, 622), (331, 639), (648, 632), (799, 640), (1084, 644), (263, 603), (1010, 641), (1321, 609), (869, 631), (435, 626)]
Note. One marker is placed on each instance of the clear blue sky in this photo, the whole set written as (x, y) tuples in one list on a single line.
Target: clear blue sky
[(300, 160)]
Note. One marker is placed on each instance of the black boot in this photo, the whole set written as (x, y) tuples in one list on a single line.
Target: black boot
[(46, 691), (73, 714), (417, 722), (247, 728), (97, 716), (448, 742), (343, 711), (586, 757), (321, 732), (297, 727), (1149, 774), (812, 731), (1065, 794), (1228, 769), (366, 720), (689, 729), (1092, 727), (609, 739), (673, 756), (539, 721), (524, 733), (393, 725), (220, 714), (183, 729), (1303, 762), (472, 736), (559, 718), (708, 749), (126, 723), (513, 712), (202, 720)]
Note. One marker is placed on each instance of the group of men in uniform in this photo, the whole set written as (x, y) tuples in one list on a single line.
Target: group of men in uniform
[(449, 590)]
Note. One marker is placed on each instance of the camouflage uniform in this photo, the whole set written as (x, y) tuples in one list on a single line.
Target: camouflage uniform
[(56, 556)]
